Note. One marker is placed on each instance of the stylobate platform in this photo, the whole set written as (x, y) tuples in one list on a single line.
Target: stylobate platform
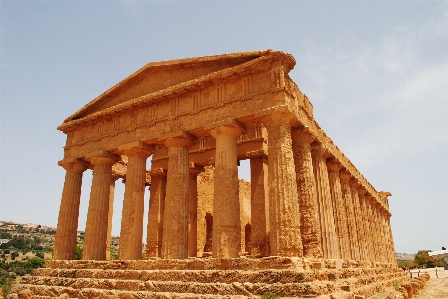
[(210, 278)]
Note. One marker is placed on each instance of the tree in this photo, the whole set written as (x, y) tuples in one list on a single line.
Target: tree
[(78, 253), (423, 259), (14, 254)]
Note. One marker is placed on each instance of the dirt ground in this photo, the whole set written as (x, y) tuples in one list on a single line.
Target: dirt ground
[(436, 287)]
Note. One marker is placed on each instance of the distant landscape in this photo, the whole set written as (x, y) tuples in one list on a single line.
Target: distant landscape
[(25, 247)]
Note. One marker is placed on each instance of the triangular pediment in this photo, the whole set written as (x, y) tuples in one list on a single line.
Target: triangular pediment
[(158, 76)]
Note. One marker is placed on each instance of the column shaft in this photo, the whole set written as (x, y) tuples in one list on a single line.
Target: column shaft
[(363, 224), (226, 204), (95, 237), (371, 224), (133, 205), (357, 218), (155, 214), (339, 210), (66, 232), (384, 243), (351, 223), (259, 243), (175, 220), (193, 212), (306, 189), (392, 256), (330, 241), (284, 223), (375, 238), (110, 216)]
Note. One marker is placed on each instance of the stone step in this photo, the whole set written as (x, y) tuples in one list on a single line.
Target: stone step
[(272, 262), (224, 276), (285, 289), (51, 292)]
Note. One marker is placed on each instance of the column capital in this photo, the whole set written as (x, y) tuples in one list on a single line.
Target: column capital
[(102, 157), (137, 148), (362, 190), (333, 165), (345, 175), (302, 135), (284, 117), (74, 164), (354, 182), (319, 150), (178, 138), (230, 127)]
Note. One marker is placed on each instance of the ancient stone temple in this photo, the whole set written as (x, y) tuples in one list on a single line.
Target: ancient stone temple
[(316, 226)]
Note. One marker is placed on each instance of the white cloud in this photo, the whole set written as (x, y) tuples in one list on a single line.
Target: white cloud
[(389, 87)]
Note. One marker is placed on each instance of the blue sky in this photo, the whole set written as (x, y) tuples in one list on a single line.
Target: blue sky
[(375, 71)]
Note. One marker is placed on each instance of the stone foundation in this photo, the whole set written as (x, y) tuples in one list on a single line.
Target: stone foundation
[(212, 278)]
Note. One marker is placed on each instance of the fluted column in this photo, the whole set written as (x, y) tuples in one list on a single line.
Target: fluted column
[(392, 256), (338, 208), (154, 230), (226, 240), (384, 241), (354, 184), (110, 215), (371, 247), (375, 234), (378, 234), (66, 232), (329, 238), (351, 223), (259, 243), (133, 205), (193, 210), (95, 237), (284, 219), (364, 228), (175, 222), (306, 189)]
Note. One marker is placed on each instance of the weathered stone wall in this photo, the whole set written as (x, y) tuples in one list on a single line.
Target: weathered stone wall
[(205, 206)]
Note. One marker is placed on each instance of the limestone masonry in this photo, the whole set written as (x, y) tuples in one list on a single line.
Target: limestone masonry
[(310, 226)]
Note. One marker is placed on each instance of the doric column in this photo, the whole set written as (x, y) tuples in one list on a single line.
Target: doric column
[(284, 219), (306, 189), (155, 214), (95, 237), (133, 205), (371, 228), (378, 233), (354, 184), (226, 204), (338, 207), (392, 256), (351, 223), (193, 210), (364, 228), (110, 215), (375, 245), (384, 243), (175, 219), (66, 232), (259, 243), (330, 241)]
